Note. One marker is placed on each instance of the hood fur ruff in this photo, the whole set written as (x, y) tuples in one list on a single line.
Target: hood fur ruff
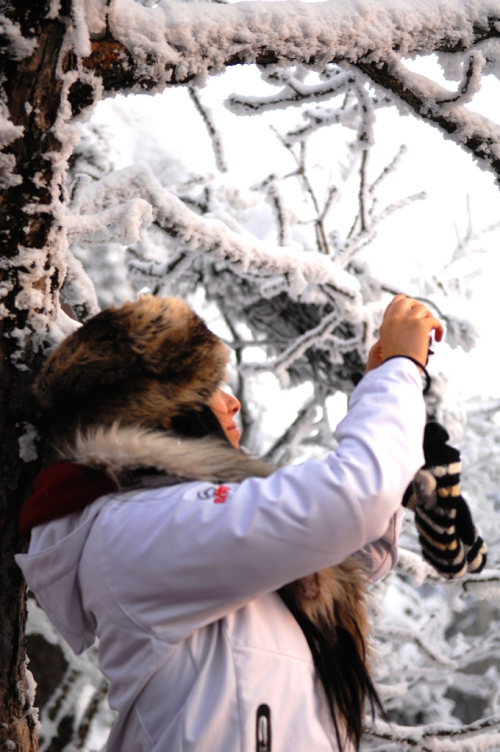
[(336, 595), (121, 449)]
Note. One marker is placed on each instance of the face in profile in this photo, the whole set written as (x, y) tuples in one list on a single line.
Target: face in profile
[(225, 406)]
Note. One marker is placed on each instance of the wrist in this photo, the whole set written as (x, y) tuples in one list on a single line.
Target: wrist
[(423, 370)]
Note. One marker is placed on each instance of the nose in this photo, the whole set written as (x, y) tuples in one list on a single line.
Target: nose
[(233, 405)]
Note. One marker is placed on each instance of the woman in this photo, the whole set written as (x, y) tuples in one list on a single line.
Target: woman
[(158, 536)]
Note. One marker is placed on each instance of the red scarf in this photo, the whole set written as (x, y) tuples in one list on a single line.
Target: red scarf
[(62, 489)]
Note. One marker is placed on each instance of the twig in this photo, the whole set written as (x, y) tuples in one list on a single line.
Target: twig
[(388, 169), (287, 438), (363, 213), (206, 114), (247, 421)]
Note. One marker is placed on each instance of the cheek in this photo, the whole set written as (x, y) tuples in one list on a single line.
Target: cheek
[(217, 407)]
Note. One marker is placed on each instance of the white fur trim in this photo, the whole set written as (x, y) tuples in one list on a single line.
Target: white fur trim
[(118, 449)]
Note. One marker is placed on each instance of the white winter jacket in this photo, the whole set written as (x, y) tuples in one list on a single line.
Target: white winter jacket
[(179, 582)]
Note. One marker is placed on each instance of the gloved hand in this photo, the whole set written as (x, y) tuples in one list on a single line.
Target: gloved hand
[(450, 542)]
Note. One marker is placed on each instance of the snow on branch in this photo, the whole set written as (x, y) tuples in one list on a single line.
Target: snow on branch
[(321, 118), (136, 48), (313, 337), (270, 188), (18, 46), (483, 586), (442, 108), (78, 290), (215, 137), (393, 634), (198, 234), (118, 224), (436, 737), (295, 92), (8, 133), (179, 42)]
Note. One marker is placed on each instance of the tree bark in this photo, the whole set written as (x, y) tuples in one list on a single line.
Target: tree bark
[(32, 93)]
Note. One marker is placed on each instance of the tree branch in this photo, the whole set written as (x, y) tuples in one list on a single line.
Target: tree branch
[(171, 43), (474, 132)]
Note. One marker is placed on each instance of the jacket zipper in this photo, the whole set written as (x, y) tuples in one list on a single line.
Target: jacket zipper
[(263, 729)]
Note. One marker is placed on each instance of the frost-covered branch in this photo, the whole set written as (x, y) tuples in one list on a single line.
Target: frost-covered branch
[(134, 48), (295, 92), (176, 42), (215, 137), (441, 108), (314, 336), (271, 189), (282, 450), (440, 738), (78, 290), (198, 234)]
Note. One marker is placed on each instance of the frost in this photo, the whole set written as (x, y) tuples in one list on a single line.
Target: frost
[(27, 443), (120, 224), (80, 35), (78, 290), (212, 236), (18, 47), (461, 333), (490, 49), (208, 36), (30, 689), (8, 133)]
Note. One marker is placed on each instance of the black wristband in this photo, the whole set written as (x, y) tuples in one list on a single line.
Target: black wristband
[(424, 369)]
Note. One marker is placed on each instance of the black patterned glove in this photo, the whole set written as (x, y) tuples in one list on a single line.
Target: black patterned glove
[(450, 542)]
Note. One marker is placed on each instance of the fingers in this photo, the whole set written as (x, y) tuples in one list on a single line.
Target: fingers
[(406, 327)]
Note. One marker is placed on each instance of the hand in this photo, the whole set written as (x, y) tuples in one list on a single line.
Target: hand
[(374, 357), (406, 328)]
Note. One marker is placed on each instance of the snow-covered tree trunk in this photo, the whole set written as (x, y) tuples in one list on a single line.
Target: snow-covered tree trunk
[(30, 278), (40, 93)]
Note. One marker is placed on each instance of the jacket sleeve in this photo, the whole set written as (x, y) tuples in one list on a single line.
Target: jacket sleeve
[(179, 558), (383, 553)]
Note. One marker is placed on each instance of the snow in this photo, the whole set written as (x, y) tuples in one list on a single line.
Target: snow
[(119, 224), (27, 443), (8, 133), (207, 35), (80, 40), (18, 47), (95, 16), (214, 237)]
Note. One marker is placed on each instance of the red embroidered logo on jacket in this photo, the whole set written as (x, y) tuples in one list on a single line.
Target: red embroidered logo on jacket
[(221, 494)]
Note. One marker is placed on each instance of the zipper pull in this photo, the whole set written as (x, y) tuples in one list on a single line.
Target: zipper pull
[(263, 728)]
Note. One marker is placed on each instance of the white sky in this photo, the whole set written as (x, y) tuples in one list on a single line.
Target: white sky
[(418, 239)]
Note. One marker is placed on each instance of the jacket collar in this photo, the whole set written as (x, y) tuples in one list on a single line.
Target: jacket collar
[(104, 460)]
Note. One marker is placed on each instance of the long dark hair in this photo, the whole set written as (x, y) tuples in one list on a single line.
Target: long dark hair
[(197, 424), (340, 662)]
